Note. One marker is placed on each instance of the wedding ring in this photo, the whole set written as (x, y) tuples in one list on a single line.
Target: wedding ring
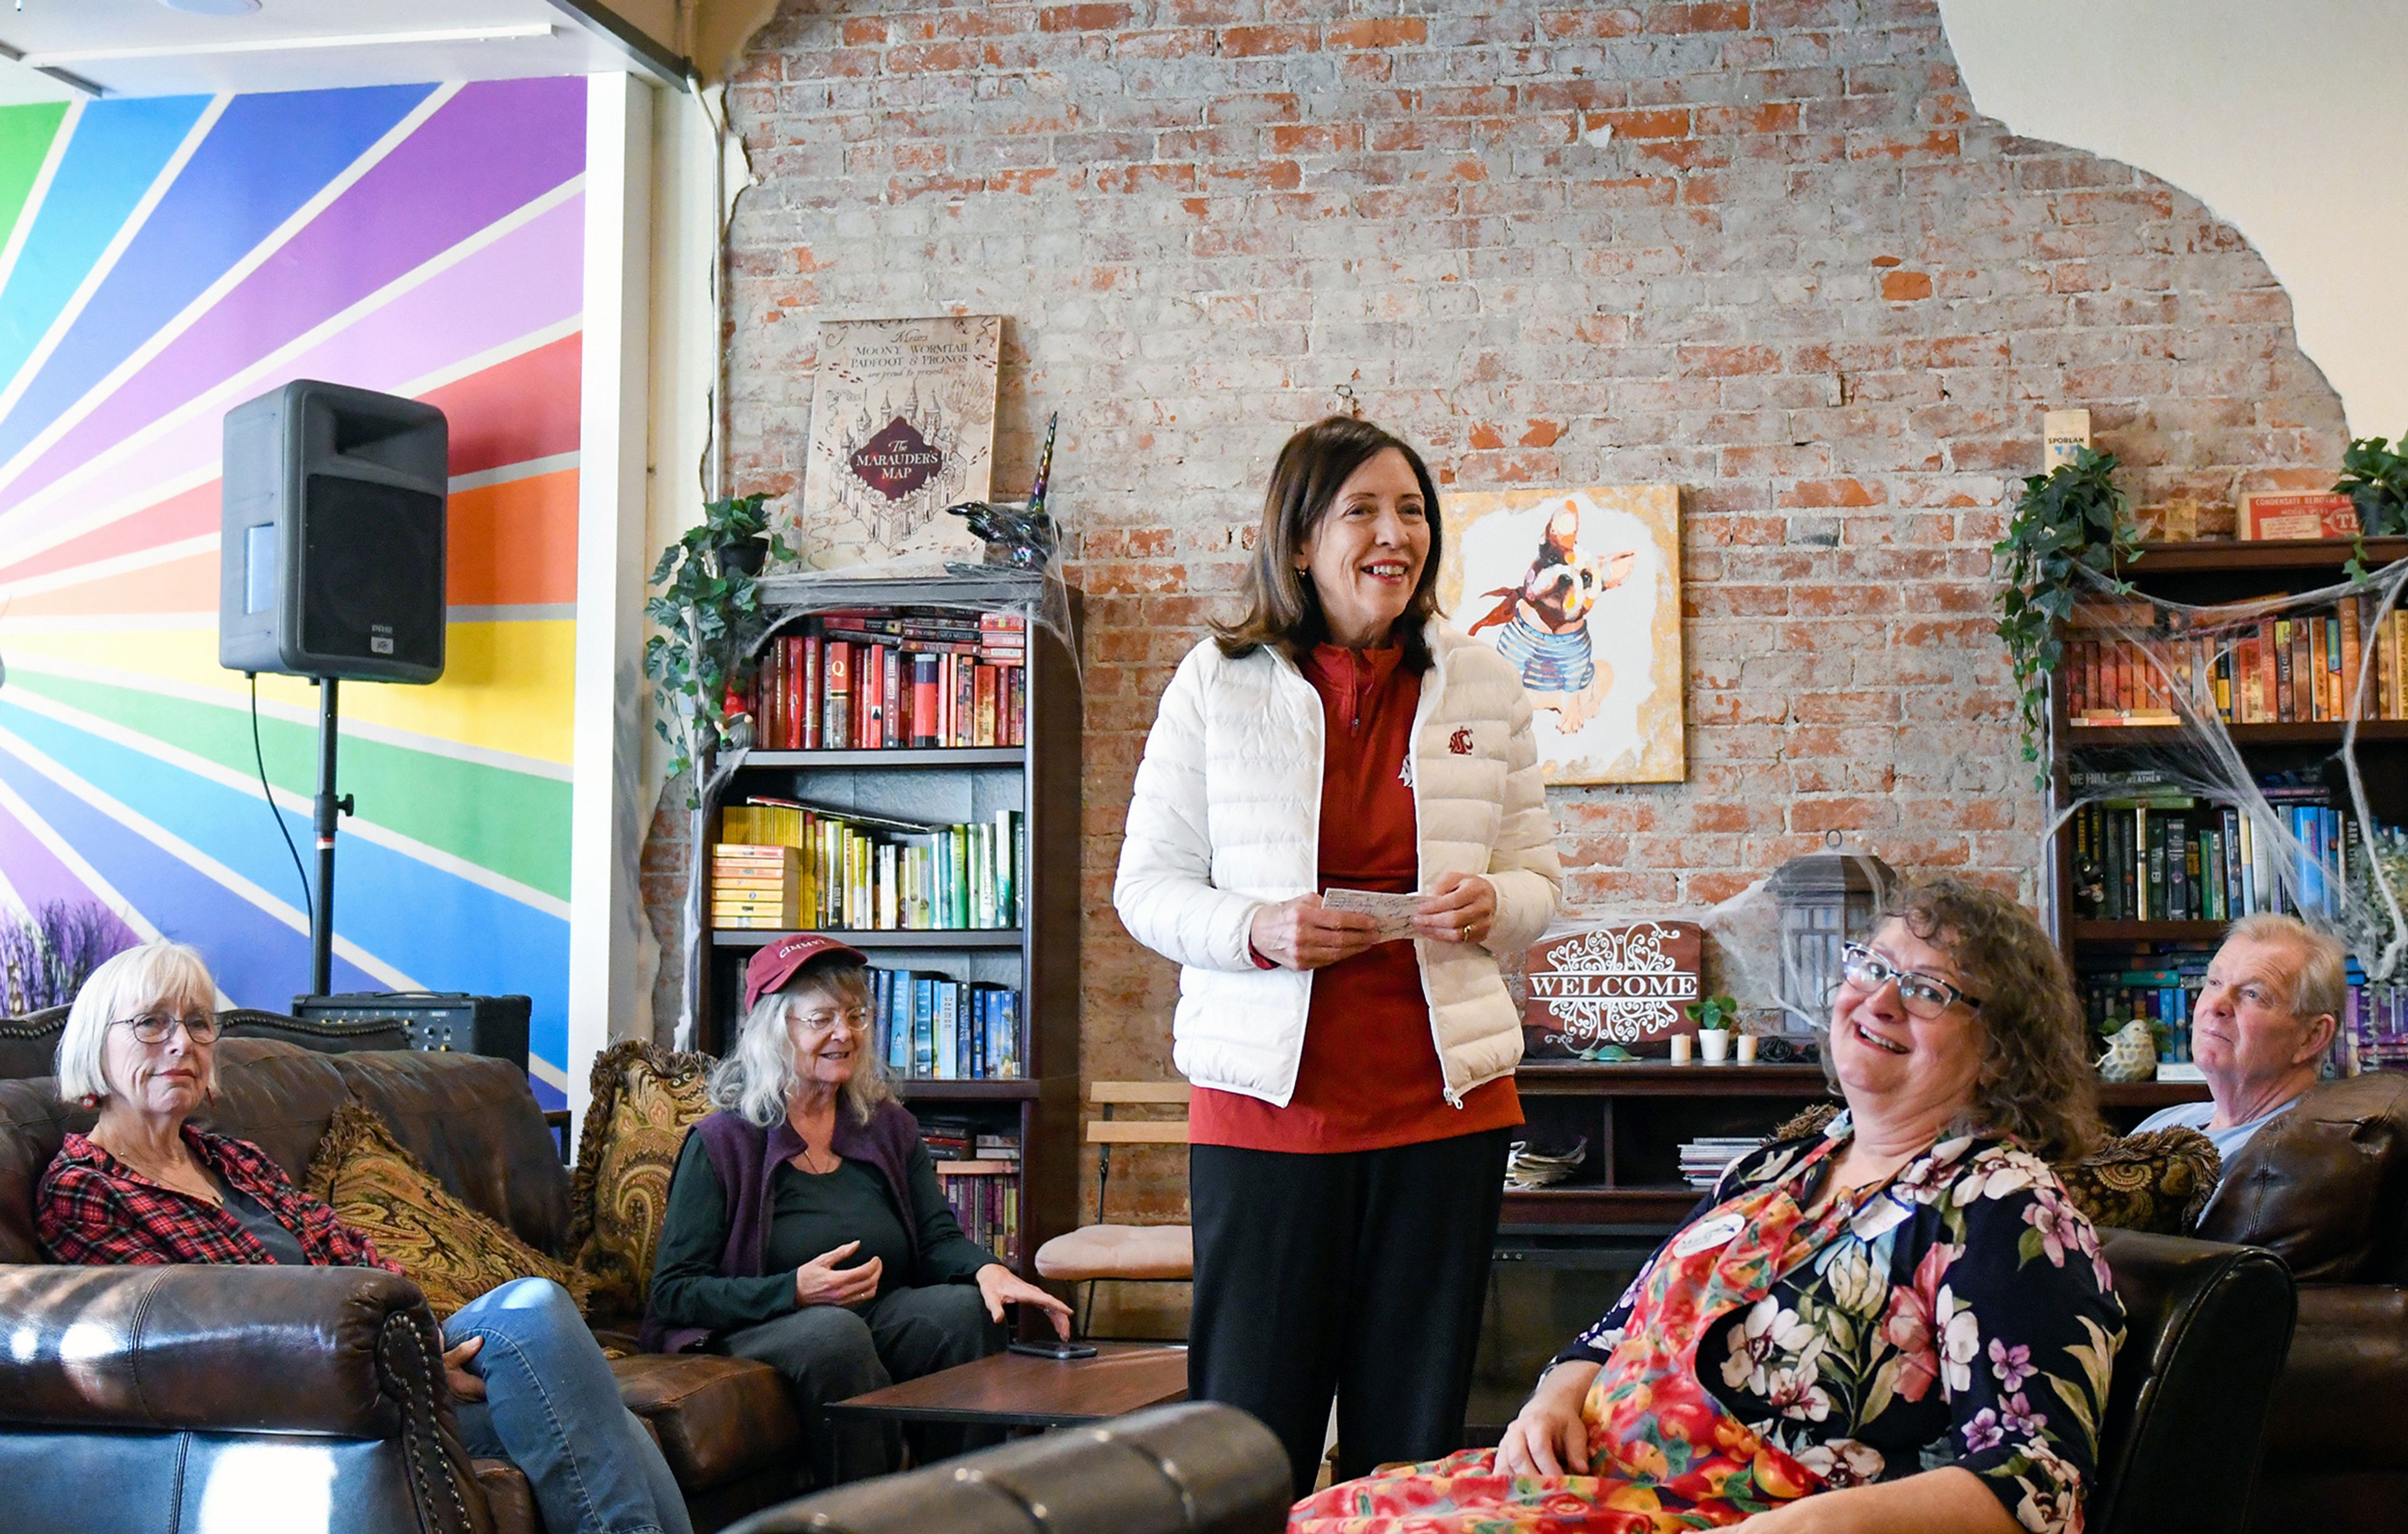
[(1463, 934)]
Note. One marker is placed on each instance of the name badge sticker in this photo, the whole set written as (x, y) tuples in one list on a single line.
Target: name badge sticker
[(1707, 1234)]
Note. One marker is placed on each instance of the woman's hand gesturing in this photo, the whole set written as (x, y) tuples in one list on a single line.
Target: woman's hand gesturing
[(1459, 908), (1305, 934), (821, 1282), (998, 1286), (1549, 1438)]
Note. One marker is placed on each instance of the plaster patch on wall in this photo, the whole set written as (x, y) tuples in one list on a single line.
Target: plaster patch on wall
[(2285, 119)]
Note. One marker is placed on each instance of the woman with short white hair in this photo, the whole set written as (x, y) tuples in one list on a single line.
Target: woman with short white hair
[(804, 1226), (144, 1186)]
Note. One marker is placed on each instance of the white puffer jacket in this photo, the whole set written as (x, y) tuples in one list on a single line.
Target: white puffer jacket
[(1226, 820)]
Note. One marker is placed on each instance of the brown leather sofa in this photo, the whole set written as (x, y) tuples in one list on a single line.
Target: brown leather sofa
[(1192, 1469), (137, 1400), (29, 1046), (2325, 1188)]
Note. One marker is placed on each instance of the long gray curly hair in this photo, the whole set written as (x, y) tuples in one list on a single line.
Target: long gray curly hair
[(758, 1076)]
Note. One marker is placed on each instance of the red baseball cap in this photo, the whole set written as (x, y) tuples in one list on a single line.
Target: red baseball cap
[(776, 964)]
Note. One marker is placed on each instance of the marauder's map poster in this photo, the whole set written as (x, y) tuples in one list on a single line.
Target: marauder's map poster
[(902, 427)]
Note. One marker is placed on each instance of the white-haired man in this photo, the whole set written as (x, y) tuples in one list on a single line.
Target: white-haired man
[(2274, 997)]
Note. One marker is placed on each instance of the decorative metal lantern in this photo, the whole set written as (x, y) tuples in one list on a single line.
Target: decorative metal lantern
[(1826, 900)]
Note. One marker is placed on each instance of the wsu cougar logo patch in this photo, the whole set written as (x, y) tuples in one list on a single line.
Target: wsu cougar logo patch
[(1460, 742)]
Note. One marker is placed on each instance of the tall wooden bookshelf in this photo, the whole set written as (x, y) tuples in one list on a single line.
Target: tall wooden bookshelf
[(1040, 778), (2208, 573)]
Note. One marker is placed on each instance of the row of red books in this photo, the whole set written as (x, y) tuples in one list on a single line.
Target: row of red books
[(910, 677)]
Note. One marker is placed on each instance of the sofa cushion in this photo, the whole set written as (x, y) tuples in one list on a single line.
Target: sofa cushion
[(643, 1099), (474, 1123), (510, 1501), (279, 1097), (2322, 1186), (718, 1419), (32, 1122), (451, 1252)]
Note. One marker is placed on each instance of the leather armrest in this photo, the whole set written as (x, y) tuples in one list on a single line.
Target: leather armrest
[(351, 1352), (2348, 1368), (2185, 1425)]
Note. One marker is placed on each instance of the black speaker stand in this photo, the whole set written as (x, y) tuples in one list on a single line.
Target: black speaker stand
[(322, 918)]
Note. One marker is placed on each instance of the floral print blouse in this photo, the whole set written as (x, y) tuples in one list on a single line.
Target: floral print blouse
[(1962, 1315)]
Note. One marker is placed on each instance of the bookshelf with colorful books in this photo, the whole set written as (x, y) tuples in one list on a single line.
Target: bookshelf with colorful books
[(2156, 856), (908, 781)]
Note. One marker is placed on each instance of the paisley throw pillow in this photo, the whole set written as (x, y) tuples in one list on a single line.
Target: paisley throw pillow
[(451, 1252), (2157, 1182), (644, 1098)]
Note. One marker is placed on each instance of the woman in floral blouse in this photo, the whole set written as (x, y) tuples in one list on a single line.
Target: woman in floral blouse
[(1900, 1324)]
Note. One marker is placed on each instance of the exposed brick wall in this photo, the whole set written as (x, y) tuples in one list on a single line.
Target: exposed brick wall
[(1797, 276)]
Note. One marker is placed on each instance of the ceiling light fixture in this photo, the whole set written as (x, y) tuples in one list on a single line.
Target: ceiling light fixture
[(287, 44), (212, 8)]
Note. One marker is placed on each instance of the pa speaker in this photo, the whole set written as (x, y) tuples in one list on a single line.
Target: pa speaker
[(332, 535)]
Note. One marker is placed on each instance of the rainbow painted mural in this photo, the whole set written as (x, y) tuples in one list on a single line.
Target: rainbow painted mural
[(161, 262)]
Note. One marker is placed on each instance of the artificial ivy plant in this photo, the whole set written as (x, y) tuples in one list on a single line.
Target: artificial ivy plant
[(2375, 479), (2069, 520), (708, 612)]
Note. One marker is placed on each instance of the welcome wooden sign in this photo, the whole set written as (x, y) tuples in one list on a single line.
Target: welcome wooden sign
[(1622, 986)]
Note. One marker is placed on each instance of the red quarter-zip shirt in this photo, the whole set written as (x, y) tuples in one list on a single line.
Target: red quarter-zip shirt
[(1369, 1078)]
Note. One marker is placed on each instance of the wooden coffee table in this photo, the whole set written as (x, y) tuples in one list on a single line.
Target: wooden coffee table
[(1014, 1390)]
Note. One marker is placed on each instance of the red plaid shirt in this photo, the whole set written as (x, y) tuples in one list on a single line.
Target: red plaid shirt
[(95, 1209)]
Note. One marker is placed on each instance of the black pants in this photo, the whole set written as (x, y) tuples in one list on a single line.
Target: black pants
[(1360, 1272)]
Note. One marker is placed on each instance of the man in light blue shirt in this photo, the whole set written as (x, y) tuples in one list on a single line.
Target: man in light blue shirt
[(2265, 1018)]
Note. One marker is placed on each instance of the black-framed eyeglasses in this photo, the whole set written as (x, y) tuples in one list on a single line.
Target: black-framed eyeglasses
[(154, 1026), (1926, 996)]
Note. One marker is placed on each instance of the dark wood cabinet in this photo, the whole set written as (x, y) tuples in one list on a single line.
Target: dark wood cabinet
[(1038, 957), (1636, 1116)]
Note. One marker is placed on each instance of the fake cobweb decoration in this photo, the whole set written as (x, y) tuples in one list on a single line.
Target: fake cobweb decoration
[(2183, 649)]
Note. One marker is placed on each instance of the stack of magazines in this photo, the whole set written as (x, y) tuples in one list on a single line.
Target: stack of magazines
[(1702, 1160), (1531, 1163)]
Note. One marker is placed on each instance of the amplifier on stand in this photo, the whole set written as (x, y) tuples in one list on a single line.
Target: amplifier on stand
[(495, 1026)]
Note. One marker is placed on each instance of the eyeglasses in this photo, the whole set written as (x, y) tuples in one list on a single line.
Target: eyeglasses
[(1926, 996), (854, 1018), (154, 1028)]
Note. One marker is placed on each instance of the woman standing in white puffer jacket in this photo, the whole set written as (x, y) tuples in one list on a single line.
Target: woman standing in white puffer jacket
[(1353, 1096)]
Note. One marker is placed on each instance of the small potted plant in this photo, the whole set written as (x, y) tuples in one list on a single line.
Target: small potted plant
[(1718, 1019), (709, 611), (2068, 522)]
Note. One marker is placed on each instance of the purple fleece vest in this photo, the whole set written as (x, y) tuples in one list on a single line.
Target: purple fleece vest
[(746, 1158)]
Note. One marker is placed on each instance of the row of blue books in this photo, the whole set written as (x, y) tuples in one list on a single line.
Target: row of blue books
[(931, 1027)]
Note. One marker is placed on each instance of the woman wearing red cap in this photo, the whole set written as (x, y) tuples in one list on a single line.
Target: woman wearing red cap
[(805, 1227), (1354, 1090)]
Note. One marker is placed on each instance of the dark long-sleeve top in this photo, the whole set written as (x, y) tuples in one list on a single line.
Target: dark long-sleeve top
[(811, 1215)]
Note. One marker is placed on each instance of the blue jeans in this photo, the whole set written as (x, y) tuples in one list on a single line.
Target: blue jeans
[(552, 1408)]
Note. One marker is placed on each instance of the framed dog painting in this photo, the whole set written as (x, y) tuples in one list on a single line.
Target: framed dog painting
[(1581, 591)]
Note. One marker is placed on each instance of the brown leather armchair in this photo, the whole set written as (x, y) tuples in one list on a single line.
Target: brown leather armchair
[(143, 1399), (2323, 1188), (1190, 1469)]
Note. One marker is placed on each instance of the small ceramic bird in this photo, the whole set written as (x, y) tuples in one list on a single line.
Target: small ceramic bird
[(2131, 1053)]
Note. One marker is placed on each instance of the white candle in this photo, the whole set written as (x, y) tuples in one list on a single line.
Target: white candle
[(1680, 1049)]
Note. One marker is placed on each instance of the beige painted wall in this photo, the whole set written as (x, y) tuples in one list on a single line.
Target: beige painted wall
[(2290, 120), (710, 32)]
